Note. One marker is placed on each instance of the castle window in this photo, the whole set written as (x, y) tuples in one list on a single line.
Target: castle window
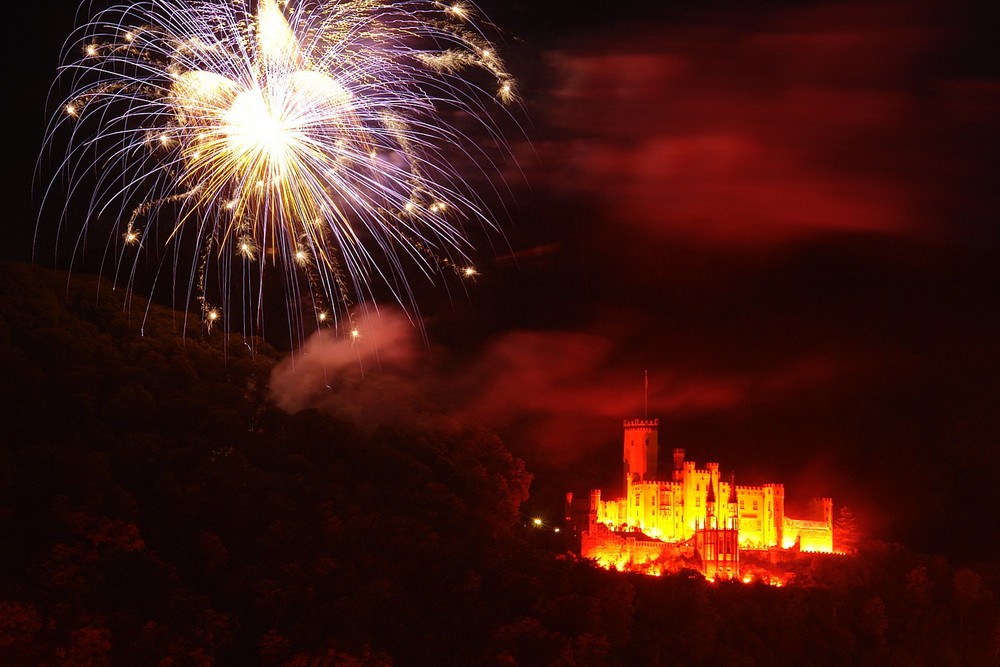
[(697, 502), (697, 487), (755, 505), (742, 503)]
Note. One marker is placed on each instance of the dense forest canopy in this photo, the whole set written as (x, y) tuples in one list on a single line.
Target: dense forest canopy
[(157, 509)]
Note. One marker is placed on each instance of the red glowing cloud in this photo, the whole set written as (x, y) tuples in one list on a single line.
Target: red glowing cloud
[(566, 393), (560, 395), (808, 121)]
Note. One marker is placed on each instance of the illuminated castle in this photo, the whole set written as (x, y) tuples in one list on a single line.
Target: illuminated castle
[(692, 514)]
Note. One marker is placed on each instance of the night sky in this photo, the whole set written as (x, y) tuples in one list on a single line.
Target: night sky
[(787, 215)]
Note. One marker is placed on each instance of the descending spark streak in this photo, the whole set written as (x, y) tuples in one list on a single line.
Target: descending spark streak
[(311, 136)]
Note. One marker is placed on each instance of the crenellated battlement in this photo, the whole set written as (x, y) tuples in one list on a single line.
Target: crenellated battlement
[(642, 423), (749, 488)]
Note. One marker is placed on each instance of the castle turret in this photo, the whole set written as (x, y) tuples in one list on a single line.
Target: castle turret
[(779, 514), (821, 509), (595, 502), (734, 504), (710, 501), (641, 449)]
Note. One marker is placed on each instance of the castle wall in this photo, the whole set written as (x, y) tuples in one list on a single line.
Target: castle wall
[(814, 534), (673, 511), (620, 551)]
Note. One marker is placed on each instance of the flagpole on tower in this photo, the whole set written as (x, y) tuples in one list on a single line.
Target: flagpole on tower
[(645, 395)]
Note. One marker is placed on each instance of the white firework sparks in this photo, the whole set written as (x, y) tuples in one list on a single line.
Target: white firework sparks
[(310, 137)]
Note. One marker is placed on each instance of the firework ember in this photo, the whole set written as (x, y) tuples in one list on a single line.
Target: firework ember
[(313, 138)]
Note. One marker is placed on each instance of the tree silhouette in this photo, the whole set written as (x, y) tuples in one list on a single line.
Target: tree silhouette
[(846, 531)]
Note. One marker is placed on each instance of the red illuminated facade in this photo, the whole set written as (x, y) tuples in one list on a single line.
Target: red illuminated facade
[(691, 517)]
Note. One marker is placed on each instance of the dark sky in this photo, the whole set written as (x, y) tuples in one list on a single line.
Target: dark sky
[(787, 215)]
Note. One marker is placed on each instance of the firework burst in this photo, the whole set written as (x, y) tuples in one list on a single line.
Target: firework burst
[(308, 138)]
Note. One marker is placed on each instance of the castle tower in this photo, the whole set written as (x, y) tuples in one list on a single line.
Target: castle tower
[(568, 511), (779, 514), (827, 504), (678, 471), (641, 449), (717, 545), (595, 502), (710, 501), (734, 504)]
